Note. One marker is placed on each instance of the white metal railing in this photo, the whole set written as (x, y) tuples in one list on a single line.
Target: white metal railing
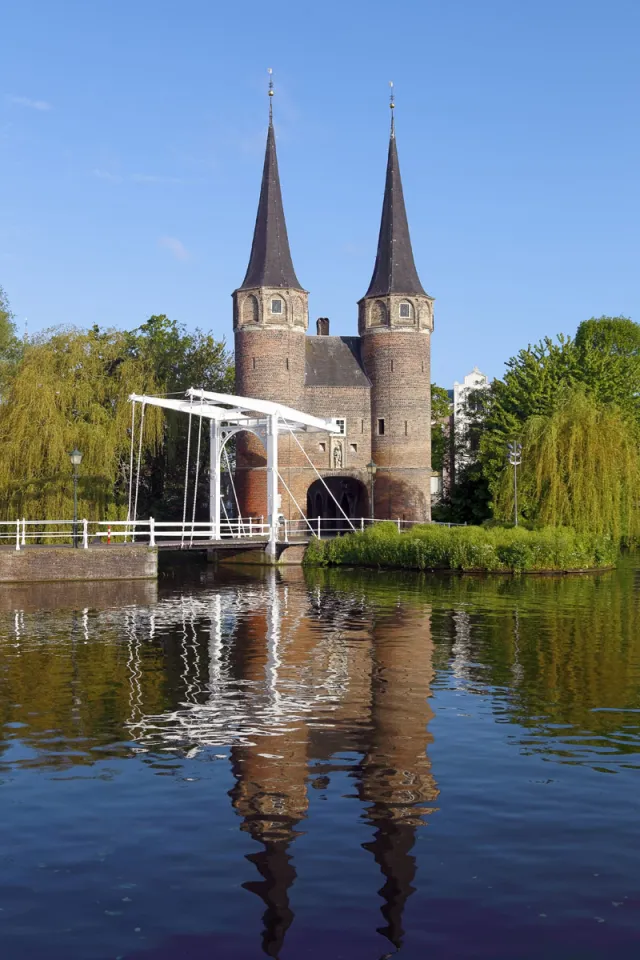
[(330, 527), (23, 532), (84, 533)]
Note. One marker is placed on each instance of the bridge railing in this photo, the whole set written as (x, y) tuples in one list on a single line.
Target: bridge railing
[(333, 527), (203, 532), (22, 533), (84, 533)]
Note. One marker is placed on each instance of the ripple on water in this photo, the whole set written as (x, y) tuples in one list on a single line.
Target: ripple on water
[(322, 764)]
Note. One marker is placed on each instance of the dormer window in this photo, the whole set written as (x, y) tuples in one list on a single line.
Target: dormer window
[(405, 311), (276, 305)]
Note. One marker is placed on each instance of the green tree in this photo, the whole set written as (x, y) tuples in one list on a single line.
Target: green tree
[(70, 390), (580, 468), (534, 381), (9, 343), (440, 426), (7, 327), (608, 351), (179, 359), (470, 498), (604, 357)]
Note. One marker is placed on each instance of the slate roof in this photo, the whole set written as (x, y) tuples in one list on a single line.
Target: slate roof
[(394, 270), (334, 362), (270, 263)]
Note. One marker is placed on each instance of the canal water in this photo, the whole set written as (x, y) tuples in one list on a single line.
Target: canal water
[(321, 765)]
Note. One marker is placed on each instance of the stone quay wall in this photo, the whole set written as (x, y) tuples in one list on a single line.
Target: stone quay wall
[(49, 563)]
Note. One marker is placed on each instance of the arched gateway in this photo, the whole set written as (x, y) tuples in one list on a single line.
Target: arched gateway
[(335, 500)]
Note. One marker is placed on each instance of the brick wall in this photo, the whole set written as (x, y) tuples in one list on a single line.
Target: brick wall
[(398, 365), (352, 403), (114, 562), (270, 365)]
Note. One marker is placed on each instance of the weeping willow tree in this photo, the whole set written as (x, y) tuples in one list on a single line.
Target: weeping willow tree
[(580, 468), (70, 390), (9, 343)]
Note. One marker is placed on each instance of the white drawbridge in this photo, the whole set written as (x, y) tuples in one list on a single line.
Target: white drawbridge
[(228, 416)]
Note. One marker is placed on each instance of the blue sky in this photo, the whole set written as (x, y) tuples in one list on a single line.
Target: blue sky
[(132, 138)]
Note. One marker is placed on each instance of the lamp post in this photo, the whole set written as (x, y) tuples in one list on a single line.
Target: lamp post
[(515, 459), (76, 459), (371, 470)]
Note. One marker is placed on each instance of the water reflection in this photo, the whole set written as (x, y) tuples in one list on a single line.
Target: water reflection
[(369, 684), (296, 678), (396, 780), (282, 672)]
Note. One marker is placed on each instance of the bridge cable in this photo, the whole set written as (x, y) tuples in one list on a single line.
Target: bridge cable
[(195, 488), (132, 445), (233, 487), (295, 502), (186, 477), (225, 510), (135, 503), (319, 477)]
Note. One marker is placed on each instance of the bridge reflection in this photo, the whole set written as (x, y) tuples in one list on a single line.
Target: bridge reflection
[(297, 676), (292, 680)]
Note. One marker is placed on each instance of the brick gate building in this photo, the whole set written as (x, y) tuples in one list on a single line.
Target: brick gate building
[(376, 383)]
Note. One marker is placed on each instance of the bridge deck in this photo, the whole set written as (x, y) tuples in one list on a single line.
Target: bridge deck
[(245, 543)]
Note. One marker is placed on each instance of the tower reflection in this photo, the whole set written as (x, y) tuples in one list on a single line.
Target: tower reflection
[(299, 674), (396, 779), (380, 665), (270, 793)]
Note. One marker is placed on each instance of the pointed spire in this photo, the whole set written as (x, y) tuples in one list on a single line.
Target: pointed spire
[(392, 106), (270, 263), (391, 847), (278, 873), (395, 269)]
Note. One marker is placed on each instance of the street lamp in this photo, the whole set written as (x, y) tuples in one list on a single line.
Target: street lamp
[(515, 459), (76, 459), (371, 470)]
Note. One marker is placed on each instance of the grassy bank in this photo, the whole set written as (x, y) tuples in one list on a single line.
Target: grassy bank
[(429, 547)]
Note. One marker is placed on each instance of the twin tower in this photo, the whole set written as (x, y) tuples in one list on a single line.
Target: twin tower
[(377, 385)]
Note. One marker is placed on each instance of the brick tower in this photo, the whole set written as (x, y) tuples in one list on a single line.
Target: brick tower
[(270, 319), (395, 322)]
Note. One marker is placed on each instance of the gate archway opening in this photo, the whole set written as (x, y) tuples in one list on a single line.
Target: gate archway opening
[(350, 493)]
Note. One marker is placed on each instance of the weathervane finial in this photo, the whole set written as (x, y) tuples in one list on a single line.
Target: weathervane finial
[(392, 105), (270, 72)]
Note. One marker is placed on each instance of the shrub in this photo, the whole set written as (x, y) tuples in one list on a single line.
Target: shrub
[(431, 547)]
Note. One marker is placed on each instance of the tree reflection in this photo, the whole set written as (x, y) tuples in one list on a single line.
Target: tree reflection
[(556, 652)]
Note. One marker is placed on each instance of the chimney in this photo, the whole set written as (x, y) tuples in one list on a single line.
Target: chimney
[(322, 326)]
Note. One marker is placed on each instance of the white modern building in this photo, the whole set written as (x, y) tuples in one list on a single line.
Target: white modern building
[(476, 380)]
